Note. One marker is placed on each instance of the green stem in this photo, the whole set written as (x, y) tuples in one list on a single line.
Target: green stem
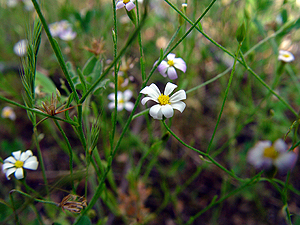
[(56, 49), (202, 153), (35, 134), (37, 111), (225, 97), (35, 199), (70, 152)]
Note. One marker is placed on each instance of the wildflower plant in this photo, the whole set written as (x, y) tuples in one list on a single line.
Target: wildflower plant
[(18, 162), (166, 104), (167, 68), (126, 167)]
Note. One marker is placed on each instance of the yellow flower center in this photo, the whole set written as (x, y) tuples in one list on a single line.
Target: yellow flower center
[(270, 152), (19, 164), (126, 1), (7, 113), (163, 99), (121, 101), (171, 62), (286, 55)]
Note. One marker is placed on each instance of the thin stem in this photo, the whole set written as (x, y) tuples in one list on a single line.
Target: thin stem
[(225, 97), (70, 152), (37, 111), (202, 153), (56, 49), (41, 161)]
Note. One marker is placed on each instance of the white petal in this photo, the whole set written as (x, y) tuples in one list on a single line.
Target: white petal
[(9, 172), (127, 95), (146, 99), (16, 155), (167, 110), (280, 146), (31, 163), (25, 155), (180, 64), (169, 88), (120, 107), (286, 161), (111, 105), (178, 96), (129, 6), (162, 68), (171, 56), (172, 74), (155, 112), (180, 106), (10, 159), (111, 96), (129, 106), (255, 155), (6, 166), (152, 91), (19, 174), (120, 5)]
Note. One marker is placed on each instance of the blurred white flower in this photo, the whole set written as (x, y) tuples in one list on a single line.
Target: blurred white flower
[(166, 104), (20, 47), (129, 5), (16, 163), (167, 68), (63, 30), (11, 3), (8, 112), (123, 100), (264, 155), (67, 35), (285, 56)]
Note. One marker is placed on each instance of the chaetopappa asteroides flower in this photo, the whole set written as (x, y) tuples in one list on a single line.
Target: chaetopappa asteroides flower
[(166, 104), (18, 162), (167, 68)]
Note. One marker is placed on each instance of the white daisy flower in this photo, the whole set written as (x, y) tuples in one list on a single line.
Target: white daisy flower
[(167, 68), (8, 112), (16, 163), (123, 100), (264, 155), (20, 47), (67, 35), (285, 56), (166, 104), (129, 5)]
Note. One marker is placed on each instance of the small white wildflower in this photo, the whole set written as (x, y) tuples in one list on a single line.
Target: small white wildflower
[(264, 155), (123, 100), (20, 47), (16, 163), (166, 104), (129, 5), (8, 112), (285, 56), (167, 68), (67, 35)]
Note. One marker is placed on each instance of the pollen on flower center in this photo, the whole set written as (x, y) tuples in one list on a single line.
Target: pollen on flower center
[(19, 164), (170, 62), (126, 1), (270, 152), (163, 99), (121, 101), (286, 56)]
